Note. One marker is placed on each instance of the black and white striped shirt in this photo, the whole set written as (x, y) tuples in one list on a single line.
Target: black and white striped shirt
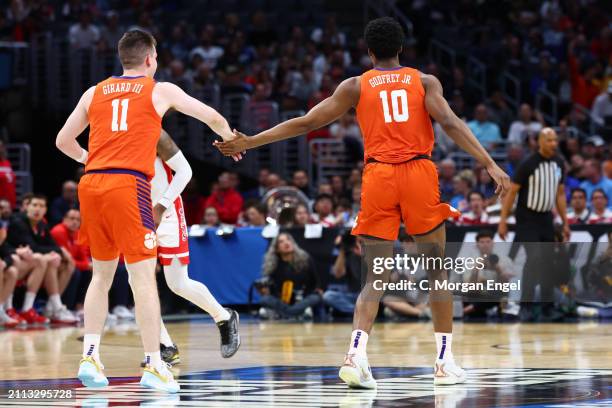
[(539, 179)]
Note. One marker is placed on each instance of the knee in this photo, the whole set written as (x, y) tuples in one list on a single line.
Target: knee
[(176, 285), (39, 260), (12, 272), (329, 297), (103, 281)]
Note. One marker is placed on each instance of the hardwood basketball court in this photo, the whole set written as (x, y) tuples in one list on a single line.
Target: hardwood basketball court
[(295, 364)]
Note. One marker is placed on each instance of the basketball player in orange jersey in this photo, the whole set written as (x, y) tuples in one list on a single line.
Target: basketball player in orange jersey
[(124, 114), (400, 182)]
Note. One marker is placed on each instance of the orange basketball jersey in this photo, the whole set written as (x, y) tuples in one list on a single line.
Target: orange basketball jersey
[(124, 126), (392, 116)]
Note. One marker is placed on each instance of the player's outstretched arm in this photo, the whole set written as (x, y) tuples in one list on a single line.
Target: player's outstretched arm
[(458, 131), (344, 98), (167, 95), (169, 152), (76, 123)]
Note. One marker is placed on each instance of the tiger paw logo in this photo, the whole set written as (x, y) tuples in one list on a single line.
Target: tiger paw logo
[(150, 240)]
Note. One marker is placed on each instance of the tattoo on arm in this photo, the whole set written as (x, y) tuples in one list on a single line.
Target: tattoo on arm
[(166, 148)]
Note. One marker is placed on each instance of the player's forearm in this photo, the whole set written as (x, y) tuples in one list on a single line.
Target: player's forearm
[(220, 126), (507, 206), (457, 130), (70, 147), (562, 207), (291, 128)]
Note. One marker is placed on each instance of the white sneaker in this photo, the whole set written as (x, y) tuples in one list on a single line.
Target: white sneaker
[(123, 313), (63, 316), (446, 372), (160, 379), (356, 372), (7, 321)]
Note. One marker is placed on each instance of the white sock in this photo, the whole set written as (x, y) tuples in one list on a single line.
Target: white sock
[(444, 342), (28, 301), (164, 337), (154, 360), (359, 341), (91, 346), (9, 302), (56, 301), (197, 293)]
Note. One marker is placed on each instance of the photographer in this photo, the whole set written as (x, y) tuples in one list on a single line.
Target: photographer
[(292, 287), (347, 267), (498, 268)]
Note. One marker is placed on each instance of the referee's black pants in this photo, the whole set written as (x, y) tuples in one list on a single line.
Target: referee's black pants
[(538, 264)]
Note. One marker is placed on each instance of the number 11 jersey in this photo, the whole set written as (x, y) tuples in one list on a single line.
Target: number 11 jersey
[(124, 125), (392, 115)]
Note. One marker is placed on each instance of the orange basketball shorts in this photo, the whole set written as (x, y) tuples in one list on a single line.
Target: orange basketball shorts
[(117, 215), (408, 192)]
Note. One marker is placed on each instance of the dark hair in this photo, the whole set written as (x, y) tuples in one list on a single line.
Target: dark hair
[(260, 208), (579, 190), (469, 196), (485, 233), (38, 196), (71, 209), (599, 190), (134, 46), (384, 37), (323, 197)]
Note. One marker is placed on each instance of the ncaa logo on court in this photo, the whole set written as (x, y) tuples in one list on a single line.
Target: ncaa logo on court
[(150, 240)]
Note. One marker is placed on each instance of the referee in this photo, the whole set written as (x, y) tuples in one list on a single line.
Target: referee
[(538, 181)]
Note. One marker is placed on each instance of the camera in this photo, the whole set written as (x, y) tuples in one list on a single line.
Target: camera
[(493, 260), (262, 283)]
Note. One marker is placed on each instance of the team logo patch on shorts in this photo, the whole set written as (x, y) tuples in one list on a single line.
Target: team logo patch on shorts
[(150, 240)]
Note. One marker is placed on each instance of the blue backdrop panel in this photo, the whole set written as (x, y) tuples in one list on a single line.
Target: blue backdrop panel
[(228, 265)]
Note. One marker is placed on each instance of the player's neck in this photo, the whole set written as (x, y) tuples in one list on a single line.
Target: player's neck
[(133, 72), (388, 63)]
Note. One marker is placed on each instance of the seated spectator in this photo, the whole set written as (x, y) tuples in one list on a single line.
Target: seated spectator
[(462, 185), (344, 213), (409, 303), (67, 201), (325, 188), (447, 174), (594, 179), (8, 181), (498, 268), (578, 213), (602, 107), (515, 156), (211, 217), (485, 131), (294, 286), (5, 209), (8, 277), (347, 130), (29, 229), (486, 185), (478, 213), (193, 202), (209, 53), (255, 214), (301, 182), (262, 187), (599, 274), (226, 200), (348, 268), (65, 234), (84, 34), (600, 214), (338, 188), (529, 122), (273, 181), (324, 210), (302, 216)]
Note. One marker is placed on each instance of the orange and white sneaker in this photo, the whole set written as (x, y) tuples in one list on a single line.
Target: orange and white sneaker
[(356, 372), (446, 372)]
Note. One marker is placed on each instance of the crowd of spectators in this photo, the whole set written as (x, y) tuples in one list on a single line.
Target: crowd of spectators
[(564, 47)]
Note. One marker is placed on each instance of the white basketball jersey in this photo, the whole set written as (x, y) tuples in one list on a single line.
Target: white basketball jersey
[(161, 180)]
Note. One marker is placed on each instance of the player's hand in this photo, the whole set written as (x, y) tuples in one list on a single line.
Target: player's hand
[(502, 230), (236, 146), (502, 180), (566, 232), (158, 212)]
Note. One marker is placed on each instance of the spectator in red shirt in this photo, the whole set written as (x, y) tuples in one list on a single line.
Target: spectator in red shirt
[(477, 214), (194, 203), (584, 88), (7, 178), (226, 200), (65, 235)]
